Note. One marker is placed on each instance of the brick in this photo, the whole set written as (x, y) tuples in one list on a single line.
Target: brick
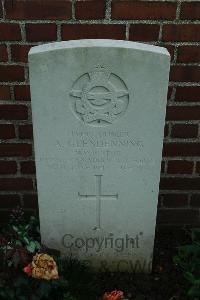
[(195, 200), (143, 10), (144, 32), (13, 112), (4, 217), (8, 167), (188, 93), (184, 131), (30, 201), (23, 150), (174, 200), (179, 183), (182, 32), (20, 53), (162, 166), (11, 73), (38, 10), (16, 184), (10, 32), (180, 113), (27, 167), (181, 149), (1, 11), (93, 31), (9, 200), (4, 92), (3, 53), (41, 32), (185, 73), (25, 131), (178, 216), (89, 9), (171, 49), (7, 131), (188, 54), (22, 92), (169, 94), (198, 167), (180, 167), (190, 11), (159, 202), (166, 130)]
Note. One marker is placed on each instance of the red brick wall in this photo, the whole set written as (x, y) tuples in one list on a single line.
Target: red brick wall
[(172, 24)]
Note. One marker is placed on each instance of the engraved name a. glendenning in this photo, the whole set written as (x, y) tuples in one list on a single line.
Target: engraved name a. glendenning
[(99, 97)]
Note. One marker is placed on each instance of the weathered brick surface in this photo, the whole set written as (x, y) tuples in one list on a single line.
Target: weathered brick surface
[(88, 10), (7, 131), (22, 92), (9, 200), (195, 200), (180, 167), (38, 10), (183, 113), (190, 10), (11, 73), (17, 149), (185, 73), (184, 131), (180, 183), (8, 167), (171, 24), (140, 10), (30, 201), (188, 54), (16, 184), (4, 92), (20, 53), (25, 132), (144, 32), (176, 149), (3, 53), (13, 112), (181, 32), (187, 216), (10, 32), (174, 200), (93, 31), (188, 94), (27, 167), (41, 32)]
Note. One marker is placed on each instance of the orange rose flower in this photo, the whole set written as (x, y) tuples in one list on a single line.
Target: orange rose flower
[(43, 266), (114, 295)]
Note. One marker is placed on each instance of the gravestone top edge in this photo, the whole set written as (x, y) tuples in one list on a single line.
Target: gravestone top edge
[(100, 43)]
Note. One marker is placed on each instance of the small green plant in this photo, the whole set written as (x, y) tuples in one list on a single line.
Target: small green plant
[(188, 258), (20, 279), (19, 242)]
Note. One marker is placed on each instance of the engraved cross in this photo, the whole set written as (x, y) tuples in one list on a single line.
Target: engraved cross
[(98, 197)]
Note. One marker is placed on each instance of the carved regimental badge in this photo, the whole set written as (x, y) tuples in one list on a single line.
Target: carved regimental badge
[(99, 97)]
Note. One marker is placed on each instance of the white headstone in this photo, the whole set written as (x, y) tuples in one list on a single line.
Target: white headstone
[(98, 115)]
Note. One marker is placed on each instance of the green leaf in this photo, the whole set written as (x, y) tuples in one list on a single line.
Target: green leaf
[(26, 240), (196, 234), (190, 277), (31, 247), (15, 228), (37, 245), (18, 243)]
